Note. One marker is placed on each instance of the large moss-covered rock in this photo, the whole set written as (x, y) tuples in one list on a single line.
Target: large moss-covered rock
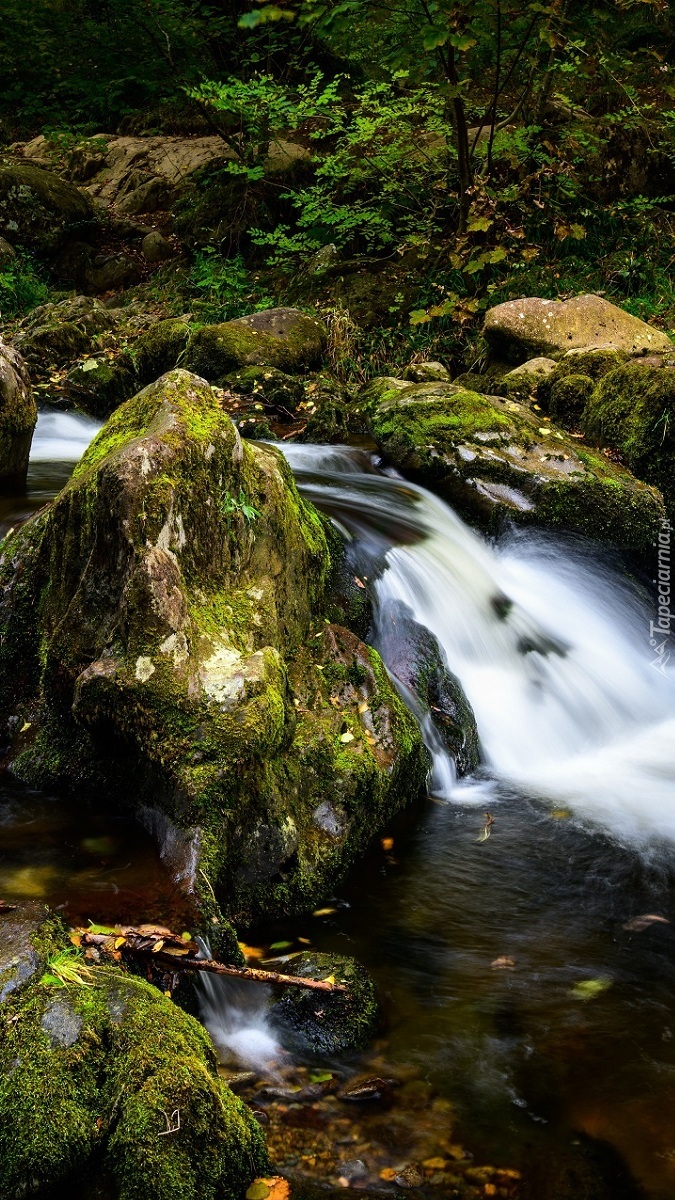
[(632, 410), (328, 1023), (494, 459), (195, 676), (276, 337), (18, 415), (97, 1072), (521, 329), (58, 333), (39, 210)]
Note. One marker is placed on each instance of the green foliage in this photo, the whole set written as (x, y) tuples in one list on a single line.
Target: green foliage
[(21, 287), (224, 287), (232, 505)]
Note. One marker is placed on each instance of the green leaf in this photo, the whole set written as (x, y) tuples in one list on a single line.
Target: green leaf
[(280, 945), (434, 37), (462, 41), (589, 989), (321, 1077)]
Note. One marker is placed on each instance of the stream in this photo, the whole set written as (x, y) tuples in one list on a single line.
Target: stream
[(528, 977)]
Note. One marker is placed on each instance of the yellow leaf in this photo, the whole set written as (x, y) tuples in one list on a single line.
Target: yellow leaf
[(347, 737), (323, 912), (26, 725), (329, 979), (544, 432), (588, 989), (387, 843), (158, 946), (120, 941), (363, 707), (175, 951)]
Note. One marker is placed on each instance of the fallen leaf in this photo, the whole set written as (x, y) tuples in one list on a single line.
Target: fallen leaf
[(158, 946), (358, 582), (363, 707), (387, 843), (26, 725), (588, 989), (281, 945), (637, 924), (388, 1174), (323, 912), (561, 814), (329, 979), (347, 737), (503, 963), (435, 1164)]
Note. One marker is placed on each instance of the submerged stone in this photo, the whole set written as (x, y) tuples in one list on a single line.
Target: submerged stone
[(328, 1023)]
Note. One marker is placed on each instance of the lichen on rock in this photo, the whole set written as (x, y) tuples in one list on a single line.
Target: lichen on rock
[(188, 677), (494, 459), (284, 338)]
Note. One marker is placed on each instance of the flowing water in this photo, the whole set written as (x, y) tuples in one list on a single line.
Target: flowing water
[(519, 977)]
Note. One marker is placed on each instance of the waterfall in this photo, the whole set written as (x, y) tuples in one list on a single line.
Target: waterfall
[(235, 1014), (550, 645)]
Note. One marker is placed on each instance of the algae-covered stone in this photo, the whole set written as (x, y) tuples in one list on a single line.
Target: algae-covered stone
[(276, 337), (98, 1071), (520, 329), (39, 210), (98, 385), (567, 397), (18, 415), (494, 459), (632, 410), (195, 580), (328, 1023), (521, 383), (565, 391), (160, 348)]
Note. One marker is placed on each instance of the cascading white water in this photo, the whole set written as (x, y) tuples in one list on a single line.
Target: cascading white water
[(552, 651), (62, 436), (236, 1016)]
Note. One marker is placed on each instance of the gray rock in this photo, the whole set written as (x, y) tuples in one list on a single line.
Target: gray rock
[(7, 252), (20, 961), (156, 248), (532, 326), (61, 1023), (427, 372), (18, 415), (148, 197)]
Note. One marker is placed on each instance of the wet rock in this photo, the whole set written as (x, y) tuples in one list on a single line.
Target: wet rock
[(414, 657), (328, 1023), (521, 383), (61, 1023), (494, 460), (520, 329), (284, 338), (189, 681), (409, 1177), (370, 1090), (112, 274), (156, 248), (334, 415), (22, 953), (18, 415), (38, 210)]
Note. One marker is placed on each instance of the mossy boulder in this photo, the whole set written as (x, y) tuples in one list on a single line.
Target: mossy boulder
[(18, 415), (520, 329), (94, 1073), (284, 338), (39, 210), (565, 391), (100, 384), (521, 383), (160, 348), (57, 333), (328, 1023), (271, 388), (196, 677), (427, 372), (493, 459), (632, 410), (334, 413)]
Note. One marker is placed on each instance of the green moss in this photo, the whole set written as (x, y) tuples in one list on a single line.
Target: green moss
[(96, 1068), (633, 411), (160, 348), (568, 397)]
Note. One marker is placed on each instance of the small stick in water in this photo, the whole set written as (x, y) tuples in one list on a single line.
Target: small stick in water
[(487, 828)]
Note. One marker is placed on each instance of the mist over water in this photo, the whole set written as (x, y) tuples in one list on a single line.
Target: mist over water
[(551, 648)]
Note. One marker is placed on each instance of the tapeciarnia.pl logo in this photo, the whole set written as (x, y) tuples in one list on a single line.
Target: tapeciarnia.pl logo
[(659, 630)]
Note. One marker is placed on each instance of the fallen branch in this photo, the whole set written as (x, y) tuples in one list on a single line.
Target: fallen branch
[(5, 907), (172, 953), (208, 964)]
